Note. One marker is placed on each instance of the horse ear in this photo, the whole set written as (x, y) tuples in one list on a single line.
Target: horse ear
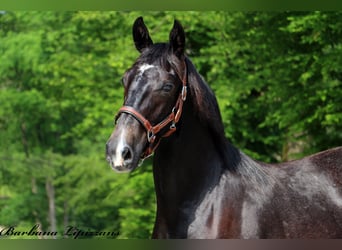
[(141, 36), (177, 39)]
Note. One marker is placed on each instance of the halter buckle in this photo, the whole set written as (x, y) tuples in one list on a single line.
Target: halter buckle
[(150, 136)]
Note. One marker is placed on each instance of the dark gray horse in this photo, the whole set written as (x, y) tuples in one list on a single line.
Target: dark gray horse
[(205, 187)]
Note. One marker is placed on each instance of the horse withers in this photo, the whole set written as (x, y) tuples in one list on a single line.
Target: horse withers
[(205, 187)]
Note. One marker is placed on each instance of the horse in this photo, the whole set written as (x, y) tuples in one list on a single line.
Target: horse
[(206, 187)]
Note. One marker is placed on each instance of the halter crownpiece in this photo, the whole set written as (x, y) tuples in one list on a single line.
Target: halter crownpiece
[(172, 118)]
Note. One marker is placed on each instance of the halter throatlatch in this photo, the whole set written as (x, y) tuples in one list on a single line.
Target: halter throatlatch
[(152, 131)]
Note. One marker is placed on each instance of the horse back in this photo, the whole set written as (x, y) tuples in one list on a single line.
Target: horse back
[(306, 199), (330, 162)]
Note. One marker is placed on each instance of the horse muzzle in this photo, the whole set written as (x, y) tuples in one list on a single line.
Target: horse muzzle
[(120, 158), (125, 145)]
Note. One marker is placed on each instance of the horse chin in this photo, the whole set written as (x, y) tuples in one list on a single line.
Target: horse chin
[(124, 168)]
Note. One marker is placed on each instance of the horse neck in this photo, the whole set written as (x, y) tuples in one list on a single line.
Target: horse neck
[(190, 162)]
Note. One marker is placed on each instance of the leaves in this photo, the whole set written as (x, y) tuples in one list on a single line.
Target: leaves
[(277, 77)]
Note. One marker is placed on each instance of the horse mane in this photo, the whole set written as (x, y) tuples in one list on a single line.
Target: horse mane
[(206, 108)]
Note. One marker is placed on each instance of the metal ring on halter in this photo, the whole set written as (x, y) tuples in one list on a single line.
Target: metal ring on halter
[(173, 125)]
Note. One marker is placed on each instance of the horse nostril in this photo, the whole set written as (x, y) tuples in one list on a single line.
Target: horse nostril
[(127, 155)]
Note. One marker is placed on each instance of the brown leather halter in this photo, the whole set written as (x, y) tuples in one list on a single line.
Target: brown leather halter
[(152, 131)]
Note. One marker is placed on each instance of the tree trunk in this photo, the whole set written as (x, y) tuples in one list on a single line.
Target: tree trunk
[(34, 188), (66, 216), (50, 191)]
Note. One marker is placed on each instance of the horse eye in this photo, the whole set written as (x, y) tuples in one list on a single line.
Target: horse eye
[(167, 87)]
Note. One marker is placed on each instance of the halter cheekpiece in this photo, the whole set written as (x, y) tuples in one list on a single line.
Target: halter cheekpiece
[(171, 119)]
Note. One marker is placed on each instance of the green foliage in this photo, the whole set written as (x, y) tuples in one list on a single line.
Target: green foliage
[(277, 78), (137, 209)]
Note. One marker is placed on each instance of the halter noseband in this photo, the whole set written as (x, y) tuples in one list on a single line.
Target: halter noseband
[(152, 131)]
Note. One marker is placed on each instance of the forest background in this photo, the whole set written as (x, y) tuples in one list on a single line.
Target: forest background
[(277, 77)]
